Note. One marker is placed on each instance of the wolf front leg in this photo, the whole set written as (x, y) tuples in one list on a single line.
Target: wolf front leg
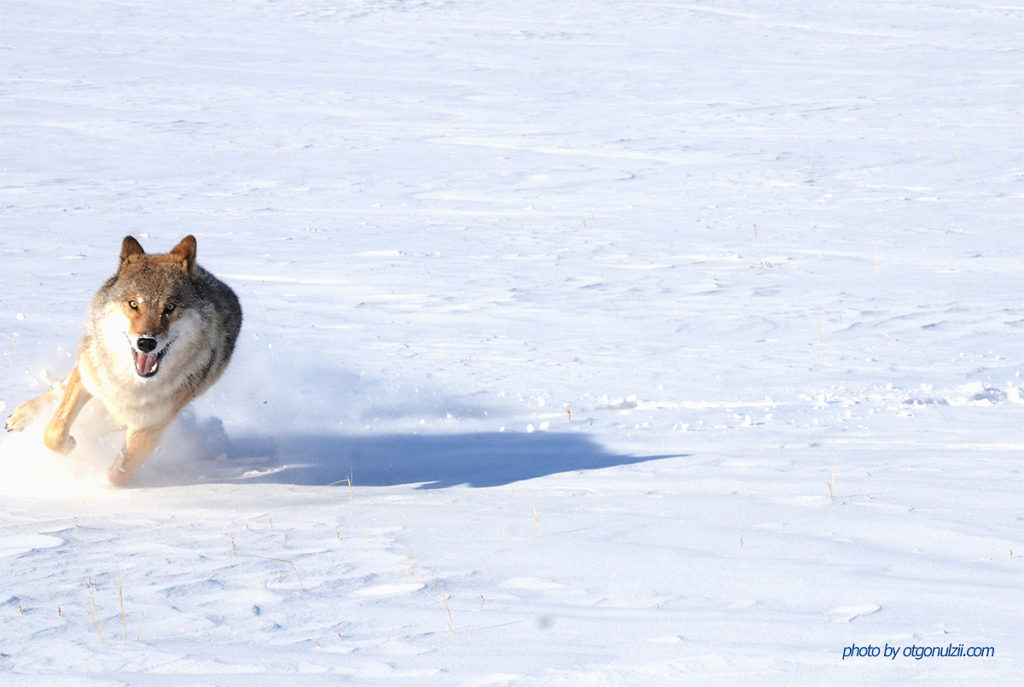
[(57, 435), (138, 444)]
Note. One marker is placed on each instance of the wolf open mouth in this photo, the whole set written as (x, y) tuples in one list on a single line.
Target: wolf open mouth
[(148, 364)]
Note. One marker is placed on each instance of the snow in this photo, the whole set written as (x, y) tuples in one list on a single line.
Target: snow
[(585, 343)]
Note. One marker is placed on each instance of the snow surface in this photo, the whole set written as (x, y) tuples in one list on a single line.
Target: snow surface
[(586, 343)]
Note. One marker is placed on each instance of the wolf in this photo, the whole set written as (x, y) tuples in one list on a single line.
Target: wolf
[(158, 334)]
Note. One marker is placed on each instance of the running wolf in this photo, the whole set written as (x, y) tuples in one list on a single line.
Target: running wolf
[(158, 334)]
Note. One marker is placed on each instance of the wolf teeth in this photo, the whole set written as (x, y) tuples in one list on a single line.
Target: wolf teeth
[(146, 365)]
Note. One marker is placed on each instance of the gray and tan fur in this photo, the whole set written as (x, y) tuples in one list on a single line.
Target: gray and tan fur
[(158, 334)]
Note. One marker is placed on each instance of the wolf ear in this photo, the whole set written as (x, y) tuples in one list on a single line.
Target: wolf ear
[(185, 253), (130, 248)]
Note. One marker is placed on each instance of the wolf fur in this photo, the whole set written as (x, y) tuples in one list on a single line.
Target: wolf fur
[(157, 335)]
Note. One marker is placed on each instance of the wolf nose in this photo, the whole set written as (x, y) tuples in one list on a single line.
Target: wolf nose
[(146, 344)]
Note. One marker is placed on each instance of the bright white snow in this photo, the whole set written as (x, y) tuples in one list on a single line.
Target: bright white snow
[(586, 343)]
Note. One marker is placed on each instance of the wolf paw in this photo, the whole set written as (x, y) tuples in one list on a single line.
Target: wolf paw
[(19, 419), (117, 475), (55, 444)]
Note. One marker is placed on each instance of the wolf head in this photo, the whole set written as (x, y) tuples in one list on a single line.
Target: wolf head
[(154, 294)]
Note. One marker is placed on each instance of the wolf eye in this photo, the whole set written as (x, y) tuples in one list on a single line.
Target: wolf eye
[(133, 304), (169, 308)]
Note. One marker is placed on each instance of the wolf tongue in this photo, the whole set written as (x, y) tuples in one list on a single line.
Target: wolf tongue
[(145, 363)]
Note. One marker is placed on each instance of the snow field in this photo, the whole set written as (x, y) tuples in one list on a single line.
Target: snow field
[(662, 345)]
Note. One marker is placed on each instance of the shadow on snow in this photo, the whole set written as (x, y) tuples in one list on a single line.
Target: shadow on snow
[(432, 461), (194, 451)]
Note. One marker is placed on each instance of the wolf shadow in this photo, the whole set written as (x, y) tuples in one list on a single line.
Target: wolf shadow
[(429, 461)]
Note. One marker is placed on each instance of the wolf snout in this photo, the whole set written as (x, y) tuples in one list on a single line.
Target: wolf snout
[(146, 344)]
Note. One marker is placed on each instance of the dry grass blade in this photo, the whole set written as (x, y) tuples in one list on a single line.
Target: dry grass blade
[(91, 607), (280, 560), (348, 481), (832, 482), (451, 620), (120, 597)]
